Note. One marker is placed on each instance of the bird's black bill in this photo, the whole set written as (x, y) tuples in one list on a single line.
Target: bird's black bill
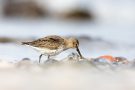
[(77, 49)]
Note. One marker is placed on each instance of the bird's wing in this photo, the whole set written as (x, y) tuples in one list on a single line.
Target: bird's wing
[(51, 42)]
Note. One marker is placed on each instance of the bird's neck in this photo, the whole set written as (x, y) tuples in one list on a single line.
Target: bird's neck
[(68, 44)]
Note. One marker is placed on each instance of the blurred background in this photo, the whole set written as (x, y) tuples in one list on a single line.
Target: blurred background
[(102, 26)]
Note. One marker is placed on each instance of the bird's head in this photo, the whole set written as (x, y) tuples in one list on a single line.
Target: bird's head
[(74, 43)]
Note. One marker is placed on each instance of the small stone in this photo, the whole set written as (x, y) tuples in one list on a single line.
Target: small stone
[(26, 59), (24, 63), (71, 58), (51, 61), (122, 60)]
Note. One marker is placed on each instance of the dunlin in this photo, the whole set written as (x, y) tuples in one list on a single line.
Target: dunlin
[(53, 45)]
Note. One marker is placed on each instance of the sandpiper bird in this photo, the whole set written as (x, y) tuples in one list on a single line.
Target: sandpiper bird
[(53, 45)]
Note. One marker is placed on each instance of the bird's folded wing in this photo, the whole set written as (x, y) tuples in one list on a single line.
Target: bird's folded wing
[(53, 42)]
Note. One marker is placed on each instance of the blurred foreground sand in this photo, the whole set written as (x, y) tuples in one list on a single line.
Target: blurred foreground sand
[(25, 75)]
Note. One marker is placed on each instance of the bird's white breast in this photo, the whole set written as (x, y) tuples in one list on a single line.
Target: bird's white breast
[(47, 51)]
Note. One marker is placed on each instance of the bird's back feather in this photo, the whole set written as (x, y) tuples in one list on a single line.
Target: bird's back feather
[(51, 42)]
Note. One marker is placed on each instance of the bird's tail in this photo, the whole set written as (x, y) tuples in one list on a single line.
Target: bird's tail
[(25, 43)]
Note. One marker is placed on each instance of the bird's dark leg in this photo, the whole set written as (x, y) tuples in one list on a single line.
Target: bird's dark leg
[(48, 57), (40, 57)]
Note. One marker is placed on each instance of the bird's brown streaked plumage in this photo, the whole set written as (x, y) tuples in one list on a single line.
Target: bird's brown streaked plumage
[(51, 42), (53, 45)]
